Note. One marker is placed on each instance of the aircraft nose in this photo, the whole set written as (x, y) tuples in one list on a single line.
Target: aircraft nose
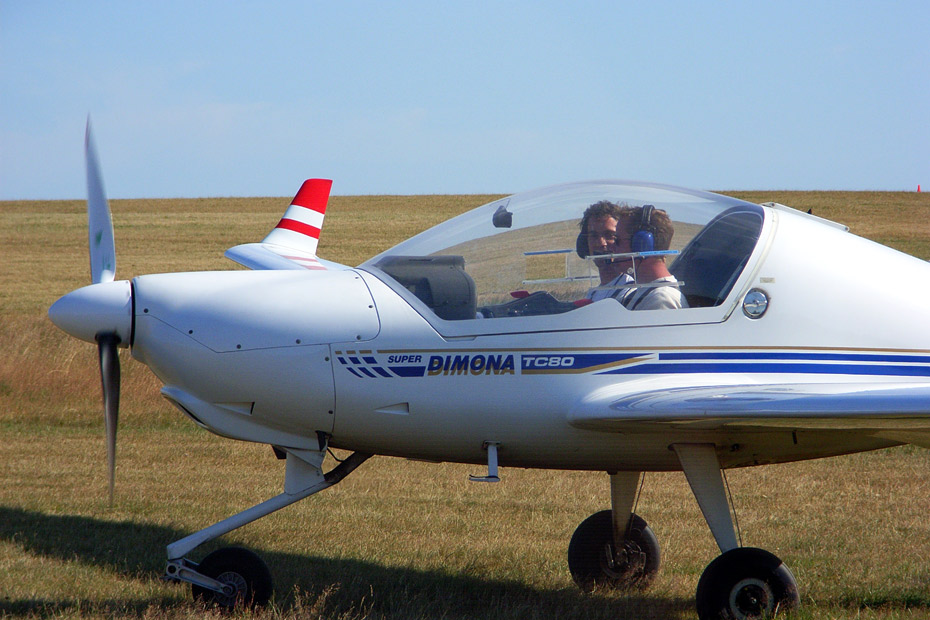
[(105, 307)]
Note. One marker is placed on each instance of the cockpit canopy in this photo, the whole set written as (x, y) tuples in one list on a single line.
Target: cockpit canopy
[(520, 255)]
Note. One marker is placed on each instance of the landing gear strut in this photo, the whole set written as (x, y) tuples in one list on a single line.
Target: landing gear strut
[(742, 583), (232, 576), (616, 549)]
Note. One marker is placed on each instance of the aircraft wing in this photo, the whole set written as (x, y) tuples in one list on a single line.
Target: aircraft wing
[(897, 411), (292, 243)]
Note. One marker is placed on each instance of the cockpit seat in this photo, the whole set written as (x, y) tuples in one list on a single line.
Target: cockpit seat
[(710, 264), (440, 282)]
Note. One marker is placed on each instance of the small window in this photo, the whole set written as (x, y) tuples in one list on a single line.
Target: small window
[(712, 261)]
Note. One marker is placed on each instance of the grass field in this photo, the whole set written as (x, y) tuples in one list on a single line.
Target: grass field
[(397, 539)]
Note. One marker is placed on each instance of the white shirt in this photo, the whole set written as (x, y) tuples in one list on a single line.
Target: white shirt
[(611, 289), (654, 297)]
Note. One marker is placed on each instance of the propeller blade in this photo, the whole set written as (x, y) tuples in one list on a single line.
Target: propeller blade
[(100, 225), (109, 376)]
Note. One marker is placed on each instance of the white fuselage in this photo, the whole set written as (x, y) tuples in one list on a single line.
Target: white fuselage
[(281, 356)]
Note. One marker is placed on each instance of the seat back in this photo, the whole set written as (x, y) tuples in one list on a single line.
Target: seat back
[(440, 282)]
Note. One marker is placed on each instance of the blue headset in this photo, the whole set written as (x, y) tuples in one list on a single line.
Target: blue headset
[(643, 239)]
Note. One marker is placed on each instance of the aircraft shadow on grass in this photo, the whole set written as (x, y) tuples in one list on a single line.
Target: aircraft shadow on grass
[(135, 550)]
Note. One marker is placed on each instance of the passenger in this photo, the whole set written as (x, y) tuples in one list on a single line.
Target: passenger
[(650, 229), (601, 224)]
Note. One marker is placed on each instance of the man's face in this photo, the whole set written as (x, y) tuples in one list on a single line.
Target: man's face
[(607, 235), (605, 238)]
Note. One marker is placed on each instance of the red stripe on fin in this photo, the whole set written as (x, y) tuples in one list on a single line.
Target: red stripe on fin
[(313, 194), (299, 227)]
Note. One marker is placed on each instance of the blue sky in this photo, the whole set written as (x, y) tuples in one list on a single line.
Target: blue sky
[(200, 98)]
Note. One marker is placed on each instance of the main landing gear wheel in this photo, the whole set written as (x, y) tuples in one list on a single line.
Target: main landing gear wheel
[(746, 583), (596, 562), (244, 571)]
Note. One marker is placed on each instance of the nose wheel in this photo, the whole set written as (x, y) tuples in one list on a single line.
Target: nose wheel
[(245, 578)]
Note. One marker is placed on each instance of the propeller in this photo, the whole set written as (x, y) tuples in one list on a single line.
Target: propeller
[(103, 269), (109, 378), (99, 224), (100, 312)]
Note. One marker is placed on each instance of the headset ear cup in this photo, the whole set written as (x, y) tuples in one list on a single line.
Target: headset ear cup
[(643, 241), (581, 245)]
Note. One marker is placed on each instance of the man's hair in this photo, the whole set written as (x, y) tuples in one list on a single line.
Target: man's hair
[(660, 225), (604, 208)]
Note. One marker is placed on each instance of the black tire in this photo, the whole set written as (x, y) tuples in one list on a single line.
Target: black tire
[(596, 562), (242, 569), (746, 583)]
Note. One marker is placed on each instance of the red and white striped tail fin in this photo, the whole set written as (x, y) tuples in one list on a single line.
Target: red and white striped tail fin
[(292, 243), (300, 227)]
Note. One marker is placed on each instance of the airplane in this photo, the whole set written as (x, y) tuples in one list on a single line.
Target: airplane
[(477, 341)]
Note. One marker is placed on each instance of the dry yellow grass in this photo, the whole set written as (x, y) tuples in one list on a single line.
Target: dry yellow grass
[(397, 539)]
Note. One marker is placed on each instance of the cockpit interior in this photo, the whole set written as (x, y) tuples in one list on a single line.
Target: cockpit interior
[(524, 255)]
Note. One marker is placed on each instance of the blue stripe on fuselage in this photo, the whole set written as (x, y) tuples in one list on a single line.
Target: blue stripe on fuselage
[(775, 368)]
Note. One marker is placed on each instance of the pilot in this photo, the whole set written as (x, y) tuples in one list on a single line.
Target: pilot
[(649, 229), (601, 227)]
